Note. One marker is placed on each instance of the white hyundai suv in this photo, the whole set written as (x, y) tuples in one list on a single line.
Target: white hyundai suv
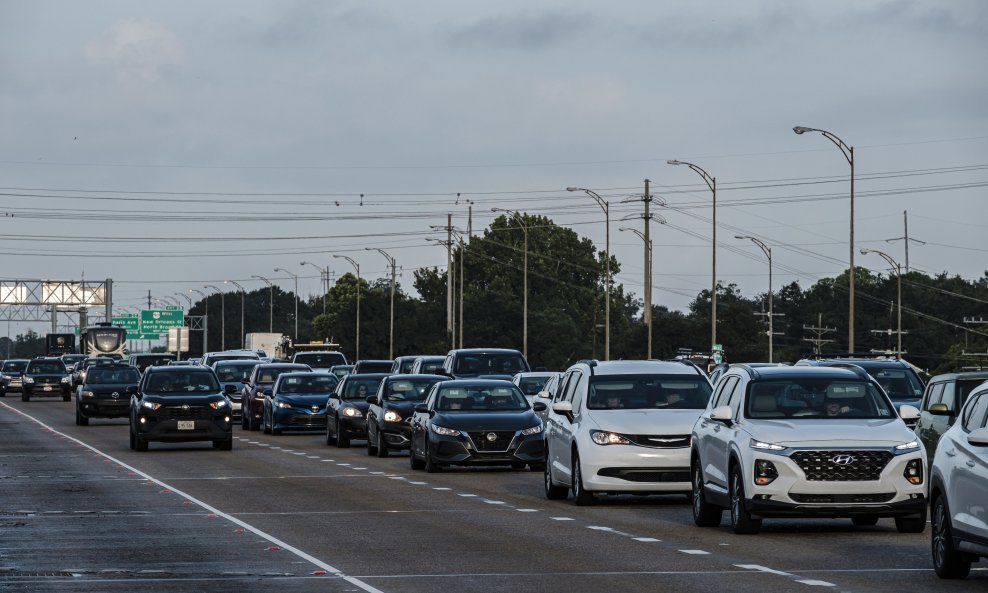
[(806, 442), (959, 490), (622, 427)]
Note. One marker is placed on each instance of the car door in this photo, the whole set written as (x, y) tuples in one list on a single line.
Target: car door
[(969, 471), (552, 420), (719, 435), (375, 410), (930, 427), (565, 429), (419, 426)]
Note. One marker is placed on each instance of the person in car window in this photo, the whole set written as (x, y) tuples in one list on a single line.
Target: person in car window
[(834, 408)]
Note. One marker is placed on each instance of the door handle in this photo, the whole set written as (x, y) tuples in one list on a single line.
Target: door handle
[(950, 452), (969, 463)]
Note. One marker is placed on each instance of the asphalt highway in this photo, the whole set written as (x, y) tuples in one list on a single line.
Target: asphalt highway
[(80, 511)]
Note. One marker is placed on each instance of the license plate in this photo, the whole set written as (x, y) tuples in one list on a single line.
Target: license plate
[(186, 425), (46, 388)]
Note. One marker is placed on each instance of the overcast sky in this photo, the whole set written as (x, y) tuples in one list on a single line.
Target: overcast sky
[(217, 140)]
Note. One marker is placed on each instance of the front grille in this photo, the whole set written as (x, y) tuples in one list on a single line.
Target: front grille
[(306, 420), (192, 413), (647, 474), (47, 381), (843, 498), (842, 466), (500, 443), (660, 441)]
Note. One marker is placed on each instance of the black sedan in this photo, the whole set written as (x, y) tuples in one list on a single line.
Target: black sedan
[(346, 408), (106, 392), (389, 416), (176, 404), (477, 422)]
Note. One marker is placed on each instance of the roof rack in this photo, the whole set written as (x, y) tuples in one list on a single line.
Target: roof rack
[(833, 355)]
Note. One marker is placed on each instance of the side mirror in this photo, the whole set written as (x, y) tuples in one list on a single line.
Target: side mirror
[(564, 409), (939, 410), (422, 408), (909, 413), (132, 389), (543, 395), (230, 389), (722, 414), (372, 399), (978, 437), (539, 406)]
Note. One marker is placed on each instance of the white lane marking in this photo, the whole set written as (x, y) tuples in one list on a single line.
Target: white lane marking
[(442, 488), (312, 457), (527, 510), (761, 568), (646, 539), (695, 552), (561, 518), (488, 501), (467, 495), (359, 468), (419, 483), (377, 473), (814, 583), (270, 538)]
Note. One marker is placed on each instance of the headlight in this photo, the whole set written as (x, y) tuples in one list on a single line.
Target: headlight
[(910, 446), (532, 430), (88, 394), (283, 405), (914, 472), (28, 380), (392, 416), (449, 432), (352, 412), (150, 405), (217, 405), (763, 446), (608, 438)]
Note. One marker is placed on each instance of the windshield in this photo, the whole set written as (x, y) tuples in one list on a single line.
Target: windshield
[(361, 388), (320, 360), (46, 367), (429, 367), (342, 371), (481, 399), (648, 392), (232, 373), (816, 398), (14, 366), (406, 366), (532, 385), (408, 389), (268, 375), (70, 359), (113, 376), (898, 383), (309, 384), (182, 383), (482, 363)]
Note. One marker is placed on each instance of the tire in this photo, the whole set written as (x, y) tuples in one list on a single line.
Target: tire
[(552, 491), (414, 461), (25, 397), (265, 427), (342, 440), (226, 444), (864, 521), (371, 446), (80, 420), (133, 440), (382, 449), (911, 524), (741, 520), (140, 444), (947, 561), (276, 431), (330, 439), (243, 419), (431, 466), (66, 398), (581, 496), (705, 514)]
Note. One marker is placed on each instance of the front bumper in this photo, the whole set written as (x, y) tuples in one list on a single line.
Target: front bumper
[(45, 390), (355, 428), (97, 407), (461, 450), (298, 419), (397, 436), (168, 431), (630, 468)]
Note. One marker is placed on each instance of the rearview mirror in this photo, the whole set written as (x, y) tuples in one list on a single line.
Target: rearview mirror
[(722, 414), (978, 437), (372, 399), (539, 406)]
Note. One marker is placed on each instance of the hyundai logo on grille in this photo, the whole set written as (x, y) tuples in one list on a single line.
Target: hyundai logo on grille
[(842, 459), (491, 437)]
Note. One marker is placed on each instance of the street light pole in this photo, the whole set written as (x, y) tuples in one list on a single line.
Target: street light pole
[(605, 206), (270, 301), (848, 152), (243, 292), (712, 184), (205, 319), (768, 253), (898, 305), (324, 276), (295, 277), (222, 315), (648, 284), (391, 331), (524, 228), (356, 266)]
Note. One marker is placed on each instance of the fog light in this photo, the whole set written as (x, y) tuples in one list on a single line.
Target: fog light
[(143, 420), (765, 472), (914, 472)]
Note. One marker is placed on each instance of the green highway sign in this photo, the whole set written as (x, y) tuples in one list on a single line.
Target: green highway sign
[(172, 308), (131, 336), (157, 321), (132, 323)]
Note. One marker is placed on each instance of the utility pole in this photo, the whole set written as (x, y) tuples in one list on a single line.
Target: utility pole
[(905, 237), (820, 330), (648, 271), (149, 299)]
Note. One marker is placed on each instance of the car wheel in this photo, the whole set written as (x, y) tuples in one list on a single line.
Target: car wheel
[(552, 491), (140, 443), (382, 449), (25, 397), (741, 520), (911, 524), (227, 444), (80, 420), (864, 521), (430, 465), (265, 423), (66, 398), (342, 440), (133, 439), (581, 496), (243, 420), (414, 461), (705, 514), (947, 561), (330, 439), (371, 446)]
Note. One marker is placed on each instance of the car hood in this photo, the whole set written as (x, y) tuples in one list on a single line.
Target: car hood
[(304, 400), (470, 421), (645, 421), (404, 408), (108, 387), (831, 433), (192, 399)]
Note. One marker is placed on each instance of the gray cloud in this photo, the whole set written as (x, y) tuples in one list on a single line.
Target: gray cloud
[(522, 31)]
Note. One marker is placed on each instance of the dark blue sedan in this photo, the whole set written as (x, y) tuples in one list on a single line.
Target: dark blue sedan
[(298, 402)]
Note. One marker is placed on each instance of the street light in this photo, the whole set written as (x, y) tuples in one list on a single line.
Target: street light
[(712, 184), (605, 206), (242, 294), (205, 319), (187, 297), (222, 315), (898, 306), (848, 152), (270, 301), (648, 283), (391, 260), (524, 228), (295, 276), (324, 276), (356, 266), (768, 253)]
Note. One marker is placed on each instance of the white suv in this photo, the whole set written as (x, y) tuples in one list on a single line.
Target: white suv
[(622, 427), (959, 490), (806, 442)]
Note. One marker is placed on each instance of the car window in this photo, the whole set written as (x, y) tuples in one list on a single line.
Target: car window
[(46, 366), (964, 389), (113, 376), (532, 385), (410, 389), (482, 363), (317, 384), (816, 398), (182, 383), (230, 373), (898, 383), (935, 394), (14, 367), (647, 391), (358, 389), (737, 394), (481, 399), (724, 390), (573, 381), (974, 413)]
